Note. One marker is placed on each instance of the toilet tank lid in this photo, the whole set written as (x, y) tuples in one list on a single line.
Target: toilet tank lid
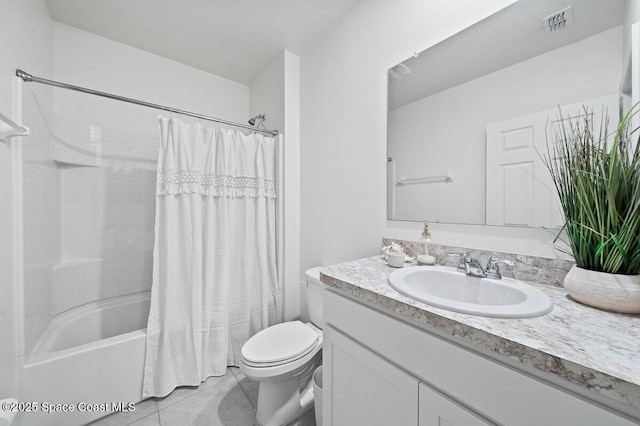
[(313, 274)]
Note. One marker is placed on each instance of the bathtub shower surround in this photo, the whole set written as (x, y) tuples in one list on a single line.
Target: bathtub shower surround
[(214, 274), (41, 201), (88, 214), (88, 209)]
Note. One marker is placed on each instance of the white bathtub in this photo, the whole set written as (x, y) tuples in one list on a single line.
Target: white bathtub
[(90, 358)]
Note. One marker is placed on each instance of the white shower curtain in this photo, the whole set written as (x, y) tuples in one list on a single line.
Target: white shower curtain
[(214, 260)]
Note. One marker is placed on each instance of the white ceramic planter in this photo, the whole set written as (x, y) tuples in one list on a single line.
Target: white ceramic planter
[(611, 292)]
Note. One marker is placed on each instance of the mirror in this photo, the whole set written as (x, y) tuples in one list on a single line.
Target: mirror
[(459, 108)]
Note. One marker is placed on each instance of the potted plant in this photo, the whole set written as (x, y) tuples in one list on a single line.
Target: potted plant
[(597, 177)]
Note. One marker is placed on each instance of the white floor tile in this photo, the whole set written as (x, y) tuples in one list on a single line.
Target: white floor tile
[(308, 419), (184, 392), (143, 409), (224, 404), (249, 387), (151, 420)]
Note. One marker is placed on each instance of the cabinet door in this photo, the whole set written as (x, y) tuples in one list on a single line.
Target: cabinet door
[(438, 410), (362, 388)]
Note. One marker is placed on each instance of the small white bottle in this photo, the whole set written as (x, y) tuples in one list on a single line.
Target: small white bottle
[(422, 248)]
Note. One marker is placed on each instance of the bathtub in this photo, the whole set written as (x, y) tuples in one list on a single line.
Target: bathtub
[(90, 361)]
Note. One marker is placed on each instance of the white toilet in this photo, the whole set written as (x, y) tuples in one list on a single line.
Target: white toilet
[(282, 359)]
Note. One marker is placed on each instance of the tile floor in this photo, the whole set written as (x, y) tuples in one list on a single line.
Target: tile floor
[(229, 400)]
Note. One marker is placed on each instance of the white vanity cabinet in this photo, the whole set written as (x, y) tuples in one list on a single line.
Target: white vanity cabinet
[(381, 371)]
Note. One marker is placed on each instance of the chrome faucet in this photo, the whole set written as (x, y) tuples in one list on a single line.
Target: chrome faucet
[(471, 266)]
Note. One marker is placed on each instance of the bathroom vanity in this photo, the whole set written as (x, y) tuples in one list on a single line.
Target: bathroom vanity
[(391, 360)]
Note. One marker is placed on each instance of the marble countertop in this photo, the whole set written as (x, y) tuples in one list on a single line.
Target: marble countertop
[(594, 349)]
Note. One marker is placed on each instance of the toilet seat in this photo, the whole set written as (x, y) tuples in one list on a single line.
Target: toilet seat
[(280, 344)]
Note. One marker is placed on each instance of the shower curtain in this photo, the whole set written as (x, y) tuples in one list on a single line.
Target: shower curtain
[(214, 260)]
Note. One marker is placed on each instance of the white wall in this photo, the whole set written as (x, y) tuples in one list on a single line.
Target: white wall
[(343, 120), (632, 15), (267, 94), (276, 93), (85, 59), (446, 131), (25, 31), (630, 86), (294, 300)]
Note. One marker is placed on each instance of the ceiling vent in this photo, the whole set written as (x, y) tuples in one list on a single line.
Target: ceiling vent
[(558, 21)]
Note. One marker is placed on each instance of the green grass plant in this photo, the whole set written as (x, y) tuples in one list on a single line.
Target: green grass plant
[(597, 177)]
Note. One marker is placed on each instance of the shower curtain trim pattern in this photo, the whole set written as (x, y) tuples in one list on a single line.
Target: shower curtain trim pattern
[(192, 181)]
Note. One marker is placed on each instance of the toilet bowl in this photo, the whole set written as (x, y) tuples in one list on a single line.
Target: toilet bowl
[(282, 359)]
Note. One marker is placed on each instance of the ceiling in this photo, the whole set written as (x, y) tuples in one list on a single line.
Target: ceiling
[(235, 39), (510, 36)]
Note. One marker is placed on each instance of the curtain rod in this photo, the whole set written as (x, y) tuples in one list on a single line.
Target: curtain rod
[(29, 78)]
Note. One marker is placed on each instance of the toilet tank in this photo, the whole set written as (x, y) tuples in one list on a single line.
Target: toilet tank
[(314, 296)]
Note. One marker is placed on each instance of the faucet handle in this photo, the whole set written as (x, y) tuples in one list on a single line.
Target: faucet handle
[(462, 255), (494, 261), (462, 263), (493, 269)]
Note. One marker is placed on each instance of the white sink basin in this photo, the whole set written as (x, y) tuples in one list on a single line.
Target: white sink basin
[(446, 288)]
